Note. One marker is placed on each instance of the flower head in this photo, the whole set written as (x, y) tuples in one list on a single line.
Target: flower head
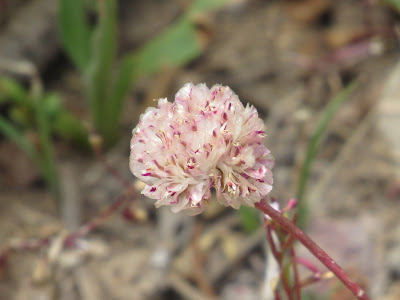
[(205, 139)]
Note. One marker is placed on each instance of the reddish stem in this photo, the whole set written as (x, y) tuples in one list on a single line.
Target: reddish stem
[(113, 171), (308, 264), (271, 243), (308, 281), (313, 248), (277, 296), (279, 258), (295, 274), (70, 240), (96, 222)]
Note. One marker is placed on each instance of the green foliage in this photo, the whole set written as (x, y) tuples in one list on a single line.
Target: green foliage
[(249, 218), (311, 296), (22, 112), (11, 89), (63, 123), (394, 3), (14, 134), (99, 72), (176, 45), (205, 6), (45, 151), (45, 115), (75, 31), (23, 104), (312, 149)]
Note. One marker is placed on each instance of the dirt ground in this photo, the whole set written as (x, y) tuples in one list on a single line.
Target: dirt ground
[(289, 59)]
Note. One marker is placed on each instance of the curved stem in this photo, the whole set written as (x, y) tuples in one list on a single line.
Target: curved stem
[(313, 248), (297, 287)]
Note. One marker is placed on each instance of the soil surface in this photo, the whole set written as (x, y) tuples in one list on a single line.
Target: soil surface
[(287, 58)]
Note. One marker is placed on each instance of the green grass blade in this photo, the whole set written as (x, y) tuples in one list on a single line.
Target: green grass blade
[(75, 31), (99, 73), (12, 90), (12, 133), (205, 6), (394, 3), (47, 158), (62, 122), (71, 129), (175, 46), (312, 149)]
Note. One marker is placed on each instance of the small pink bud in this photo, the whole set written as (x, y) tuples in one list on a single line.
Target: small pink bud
[(292, 203)]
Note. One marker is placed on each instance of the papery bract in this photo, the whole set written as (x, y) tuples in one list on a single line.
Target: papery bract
[(205, 139)]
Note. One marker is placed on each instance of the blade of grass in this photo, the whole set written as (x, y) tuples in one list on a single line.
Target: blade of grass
[(175, 46), (205, 6), (11, 132), (12, 90), (312, 150), (62, 123), (99, 73), (47, 159), (75, 31), (70, 128), (394, 3)]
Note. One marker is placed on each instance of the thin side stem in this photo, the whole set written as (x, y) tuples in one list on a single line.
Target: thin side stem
[(295, 274), (271, 243), (313, 248), (285, 282), (32, 244), (277, 296), (113, 171), (96, 222), (297, 287), (279, 258)]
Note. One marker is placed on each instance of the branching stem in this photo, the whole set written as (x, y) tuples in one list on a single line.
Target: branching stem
[(320, 254)]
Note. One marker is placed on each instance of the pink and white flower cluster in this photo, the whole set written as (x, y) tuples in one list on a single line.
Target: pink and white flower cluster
[(205, 139)]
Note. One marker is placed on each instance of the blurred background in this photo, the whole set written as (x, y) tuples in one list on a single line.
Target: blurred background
[(325, 76)]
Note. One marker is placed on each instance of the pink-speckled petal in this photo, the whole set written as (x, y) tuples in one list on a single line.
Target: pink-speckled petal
[(205, 138)]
